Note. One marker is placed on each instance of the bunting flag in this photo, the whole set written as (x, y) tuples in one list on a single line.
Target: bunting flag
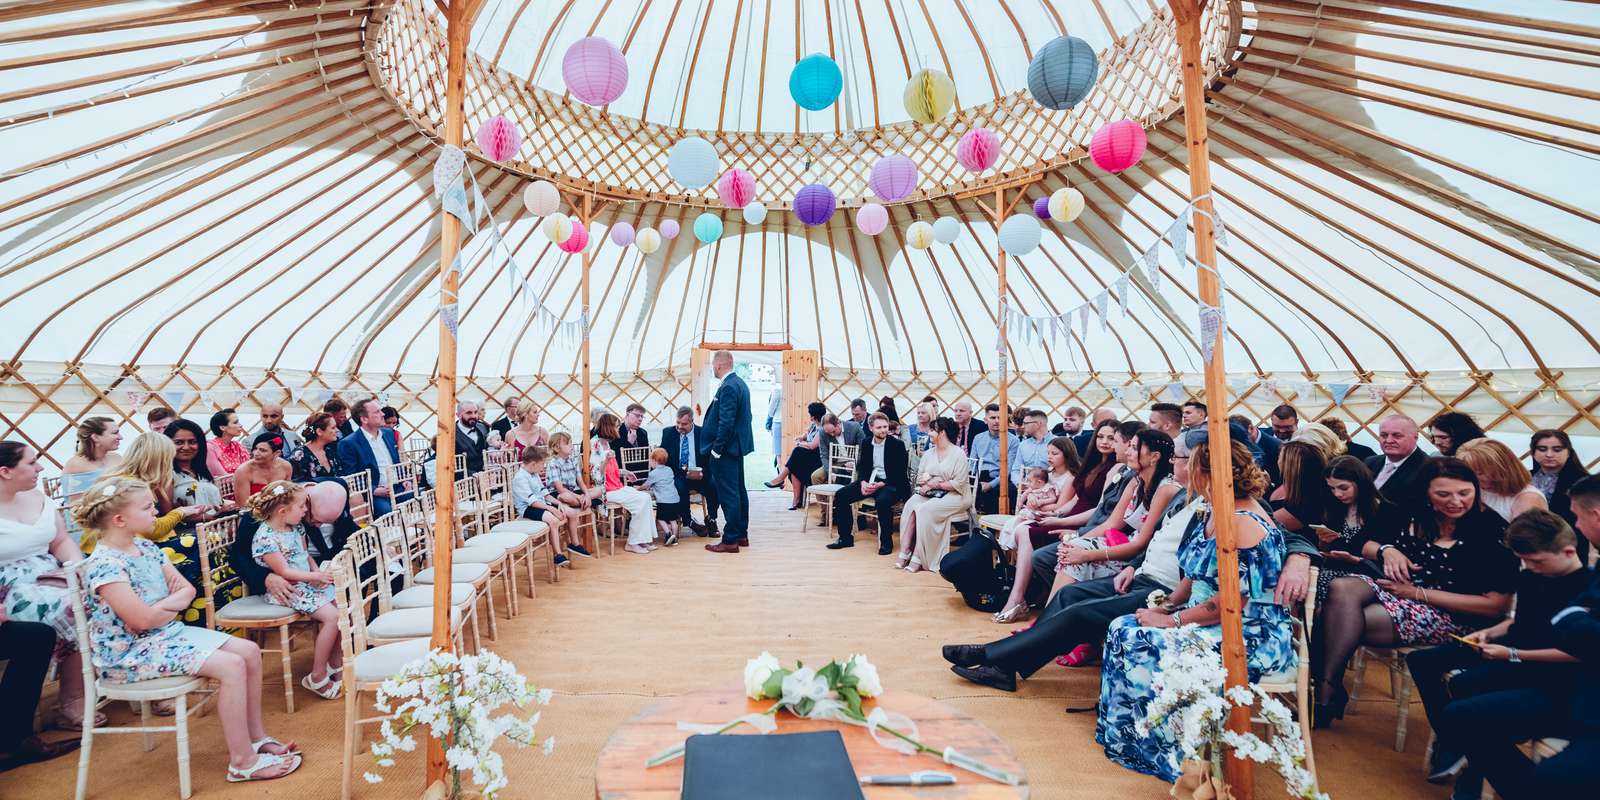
[(999, 330), (1175, 391), (208, 399), (1101, 300), (1152, 265), (447, 315), (1116, 393), (137, 398), (324, 395), (1178, 235), (1213, 321), (1374, 393), (1122, 293), (1083, 321), (296, 393), (174, 397), (1339, 391), (1270, 386)]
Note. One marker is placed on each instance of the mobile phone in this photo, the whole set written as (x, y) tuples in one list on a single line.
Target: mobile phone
[(1468, 642)]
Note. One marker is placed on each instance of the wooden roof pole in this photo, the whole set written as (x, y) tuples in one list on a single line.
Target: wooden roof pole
[(587, 218), (1239, 776)]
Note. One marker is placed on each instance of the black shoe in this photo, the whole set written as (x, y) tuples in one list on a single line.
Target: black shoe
[(840, 544), (964, 655), (32, 750), (697, 528), (992, 677), (580, 550), (885, 549), (1323, 714), (1443, 765), (563, 561), (772, 484)]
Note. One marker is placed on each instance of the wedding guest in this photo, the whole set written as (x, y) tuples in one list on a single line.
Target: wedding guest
[(1358, 514), (1284, 421), (265, 466), (372, 449), (986, 449), (1507, 488), (472, 436), (27, 648), (224, 450), (96, 452), (1033, 448), (391, 418), (33, 546), (565, 475), (858, 418), (134, 597), (508, 416), (318, 457), (159, 418), (805, 458), (1302, 499), (1351, 446), (1556, 467), (608, 473), (1451, 429), (527, 432), (632, 434), (1395, 474), (687, 448), (918, 434), (280, 547), (774, 424), (1320, 436), (341, 416), (535, 500), (1447, 573), (1194, 415), (150, 461), (1050, 492), (943, 492), (272, 422), (1167, 418), (967, 426), (881, 476), (192, 482), (662, 485)]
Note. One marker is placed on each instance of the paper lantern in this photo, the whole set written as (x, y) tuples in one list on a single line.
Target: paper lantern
[(813, 204), (542, 198), (669, 229), (647, 240), (755, 214), (893, 178), (929, 95), (946, 230), (737, 188), (815, 82), (557, 227), (978, 149), (708, 227), (1066, 204), (498, 138), (693, 162), (1041, 208), (1117, 145), (595, 71), (622, 234), (1019, 234), (577, 241), (919, 235), (871, 219), (1062, 72)]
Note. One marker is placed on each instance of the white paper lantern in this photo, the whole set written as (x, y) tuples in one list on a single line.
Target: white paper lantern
[(946, 230), (1019, 234), (557, 227), (1066, 204), (542, 198), (693, 162), (755, 214), (647, 240), (919, 235)]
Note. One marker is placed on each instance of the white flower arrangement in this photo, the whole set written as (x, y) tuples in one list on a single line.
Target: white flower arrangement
[(452, 696), (1191, 701)]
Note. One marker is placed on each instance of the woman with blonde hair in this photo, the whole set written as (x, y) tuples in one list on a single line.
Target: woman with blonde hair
[(1507, 487), (96, 452), (527, 432), (1321, 437), (149, 460)]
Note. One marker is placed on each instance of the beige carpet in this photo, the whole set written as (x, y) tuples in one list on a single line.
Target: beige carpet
[(619, 631)]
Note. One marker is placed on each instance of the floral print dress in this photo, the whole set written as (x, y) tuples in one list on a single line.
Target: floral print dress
[(26, 554), (292, 545), (1133, 652), (123, 656)]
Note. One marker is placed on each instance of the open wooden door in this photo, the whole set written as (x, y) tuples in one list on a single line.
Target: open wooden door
[(800, 375)]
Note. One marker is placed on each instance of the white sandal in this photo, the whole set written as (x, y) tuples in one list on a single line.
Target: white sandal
[(263, 761), (293, 749), (327, 688)]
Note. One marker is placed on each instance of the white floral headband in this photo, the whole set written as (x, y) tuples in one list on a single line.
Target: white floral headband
[(277, 491), (111, 489)]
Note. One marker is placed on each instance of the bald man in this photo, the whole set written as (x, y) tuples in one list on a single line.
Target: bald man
[(968, 426), (272, 422), (727, 430), (328, 527), (1395, 471)]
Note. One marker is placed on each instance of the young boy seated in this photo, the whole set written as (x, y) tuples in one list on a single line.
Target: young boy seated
[(1516, 652), (661, 484), (534, 500), (564, 480)]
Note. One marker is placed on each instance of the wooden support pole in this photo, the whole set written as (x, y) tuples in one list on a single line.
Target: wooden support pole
[(586, 217), (1239, 776), (997, 214)]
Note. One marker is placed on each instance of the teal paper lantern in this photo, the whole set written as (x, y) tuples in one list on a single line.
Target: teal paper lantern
[(1062, 73), (708, 227), (815, 82)]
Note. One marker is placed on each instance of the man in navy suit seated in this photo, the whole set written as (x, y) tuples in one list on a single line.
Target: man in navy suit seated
[(687, 450), (373, 448)]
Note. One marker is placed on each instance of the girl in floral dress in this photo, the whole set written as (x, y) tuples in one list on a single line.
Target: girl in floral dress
[(134, 599), (280, 545), (1135, 643)]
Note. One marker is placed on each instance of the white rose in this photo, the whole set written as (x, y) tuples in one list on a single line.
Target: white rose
[(804, 684), (757, 671), (867, 681), (1155, 599)]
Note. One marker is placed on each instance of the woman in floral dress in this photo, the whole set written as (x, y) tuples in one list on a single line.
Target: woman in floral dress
[(1134, 644)]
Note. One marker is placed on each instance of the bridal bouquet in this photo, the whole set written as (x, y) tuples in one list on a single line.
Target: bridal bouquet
[(1190, 701), (834, 692)]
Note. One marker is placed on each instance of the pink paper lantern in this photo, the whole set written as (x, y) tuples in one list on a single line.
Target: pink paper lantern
[(737, 188), (668, 229), (978, 149), (622, 234), (893, 178), (577, 241), (595, 71), (871, 219), (1117, 145), (498, 138)]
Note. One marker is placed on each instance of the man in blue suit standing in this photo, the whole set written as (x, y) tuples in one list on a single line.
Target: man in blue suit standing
[(727, 429), (371, 447)]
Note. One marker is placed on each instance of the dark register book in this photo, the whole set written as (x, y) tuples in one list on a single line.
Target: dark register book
[(776, 766)]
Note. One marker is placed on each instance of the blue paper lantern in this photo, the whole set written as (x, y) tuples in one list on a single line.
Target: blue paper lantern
[(815, 82), (1062, 72), (693, 162), (708, 227)]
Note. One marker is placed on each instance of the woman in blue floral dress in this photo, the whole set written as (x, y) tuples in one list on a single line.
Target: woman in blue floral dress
[(1134, 644)]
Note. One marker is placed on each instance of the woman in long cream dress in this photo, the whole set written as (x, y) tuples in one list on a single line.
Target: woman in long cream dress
[(942, 493)]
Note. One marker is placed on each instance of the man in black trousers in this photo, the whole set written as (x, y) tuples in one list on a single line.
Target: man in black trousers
[(880, 477), (26, 646), (727, 428)]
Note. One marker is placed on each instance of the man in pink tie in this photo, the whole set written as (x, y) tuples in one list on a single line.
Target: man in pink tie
[(1395, 469)]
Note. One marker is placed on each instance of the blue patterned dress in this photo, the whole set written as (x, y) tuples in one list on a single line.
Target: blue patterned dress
[(123, 656), (292, 545), (1133, 653)]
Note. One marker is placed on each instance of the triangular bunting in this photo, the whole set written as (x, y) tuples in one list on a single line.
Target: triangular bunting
[(1122, 294), (1101, 301)]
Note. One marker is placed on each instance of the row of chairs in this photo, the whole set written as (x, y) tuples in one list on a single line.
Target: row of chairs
[(841, 471)]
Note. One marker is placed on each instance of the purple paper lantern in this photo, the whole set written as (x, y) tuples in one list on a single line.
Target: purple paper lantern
[(1041, 208), (893, 178), (595, 71), (813, 204), (668, 229), (622, 234)]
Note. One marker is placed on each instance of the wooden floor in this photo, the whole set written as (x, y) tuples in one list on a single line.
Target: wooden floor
[(617, 632)]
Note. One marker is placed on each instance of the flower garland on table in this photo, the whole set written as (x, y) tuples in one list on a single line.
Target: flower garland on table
[(1191, 702), (834, 692), (452, 696)]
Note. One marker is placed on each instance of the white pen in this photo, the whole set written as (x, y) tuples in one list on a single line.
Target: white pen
[(923, 778)]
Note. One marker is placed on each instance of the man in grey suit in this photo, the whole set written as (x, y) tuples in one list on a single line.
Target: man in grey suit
[(727, 429)]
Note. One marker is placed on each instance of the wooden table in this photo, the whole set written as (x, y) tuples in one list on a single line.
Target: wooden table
[(620, 773)]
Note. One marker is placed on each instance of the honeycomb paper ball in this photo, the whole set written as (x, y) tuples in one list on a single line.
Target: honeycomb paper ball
[(693, 162), (669, 229), (595, 71), (622, 234), (813, 204), (498, 138), (708, 227), (1019, 234), (736, 187), (871, 219), (577, 241), (542, 198), (1117, 145), (557, 227), (755, 214), (978, 149), (919, 235), (647, 240), (929, 95), (946, 230), (1066, 204), (893, 178)]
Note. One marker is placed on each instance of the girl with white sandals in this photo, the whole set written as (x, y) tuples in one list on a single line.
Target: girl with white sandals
[(134, 599)]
